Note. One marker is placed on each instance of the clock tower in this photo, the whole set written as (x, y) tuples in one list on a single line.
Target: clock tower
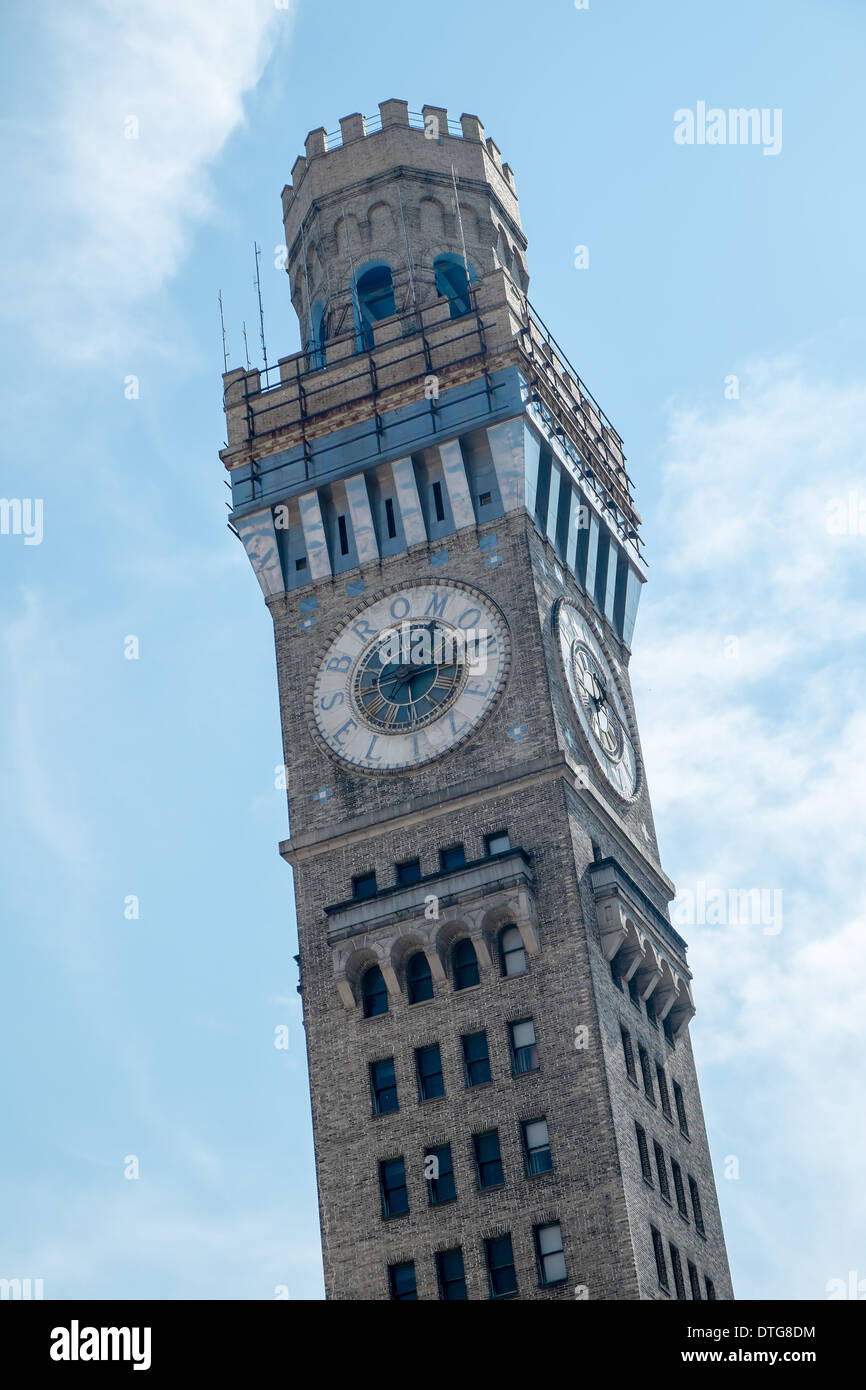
[(439, 515)]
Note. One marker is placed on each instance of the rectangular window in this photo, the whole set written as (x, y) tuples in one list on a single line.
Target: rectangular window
[(711, 1288), (389, 518), (628, 1052), (453, 858), (679, 1189), (301, 564), (663, 1091), (409, 871), (438, 506), (392, 1183), (476, 1058), (659, 1252), (524, 1052), (364, 885), (646, 1073), (696, 1206), (401, 1281), (451, 1274), (488, 1159), (536, 1147), (439, 1172), (679, 1283), (694, 1282), (344, 535), (484, 499), (643, 1150), (383, 1084), (498, 843), (428, 1066), (549, 1253), (662, 1170), (500, 1266), (681, 1109)]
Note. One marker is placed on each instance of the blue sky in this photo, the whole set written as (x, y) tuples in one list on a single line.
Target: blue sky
[(153, 1037)]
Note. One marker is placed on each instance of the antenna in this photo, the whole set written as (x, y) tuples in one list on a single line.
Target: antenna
[(258, 285), (246, 348), (408, 252), (223, 327), (460, 220)]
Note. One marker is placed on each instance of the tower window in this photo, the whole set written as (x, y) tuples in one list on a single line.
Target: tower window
[(652, 1016), (419, 979), (681, 1109), (464, 964), (438, 504), (409, 872), (499, 1255), (453, 283), (696, 1206), (375, 993), (634, 992), (711, 1288), (662, 1169), (646, 1072), (669, 1031), (661, 1263), (344, 535), (450, 1274), (383, 1084), (301, 564), (488, 1159), (374, 299), (695, 1282), (428, 1067), (643, 1150), (679, 1283), (679, 1189), (524, 1052), (440, 1185), (476, 1058), (401, 1281), (484, 499), (549, 1253), (536, 1147), (512, 952), (364, 885), (628, 1052), (390, 521), (663, 1092), (452, 858), (392, 1184), (498, 843)]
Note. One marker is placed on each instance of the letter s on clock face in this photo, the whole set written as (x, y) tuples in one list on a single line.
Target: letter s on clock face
[(596, 697), (410, 676)]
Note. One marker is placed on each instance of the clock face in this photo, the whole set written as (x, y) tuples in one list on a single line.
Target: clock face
[(410, 676), (597, 700)]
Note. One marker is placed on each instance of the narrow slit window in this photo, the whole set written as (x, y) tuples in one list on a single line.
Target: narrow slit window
[(344, 535), (390, 520), (438, 504)]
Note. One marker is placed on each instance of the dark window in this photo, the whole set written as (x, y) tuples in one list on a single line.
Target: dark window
[(646, 1073), (374, 296), (344, 535), (302, 563), (392, 1182), (419, 979), (669, 1031), (696, 1206), (634, 992), (498, 843), (484, 499), (651, 1014), (476, 1058), (439, 510), (694, 1281), (464, 964), (409, 871), (428, 1065), (681, 1109), (512, 952), (450, 1274), (401, 1280), (679, 1189), (643, 1150), (548, 1252), (488, 1159), (453, 283), (662, 1169), (364, 885), (663, 1091), (676, 1262), (383, 1084), (628, 1052), (452, 858), (524, 1052), (536, 1147), (375, 992), (500, 1266), (390, 521), (711, 1288), (440, 1183), (659, 1252), (615, 966)]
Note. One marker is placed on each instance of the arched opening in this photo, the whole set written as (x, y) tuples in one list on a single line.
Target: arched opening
[(419, 979), (374, 300), (453, 283), (374, 992), (512, 952), (464, 964)]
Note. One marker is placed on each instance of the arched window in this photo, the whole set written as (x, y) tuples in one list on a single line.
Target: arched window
[(375, 992), (419, 980), (452, 283), (317, 337), (512, 952), (464, 963), (374, 300)]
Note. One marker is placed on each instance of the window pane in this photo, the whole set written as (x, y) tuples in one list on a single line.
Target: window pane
[(523, 1033), (537, 1134), (549, 1238)]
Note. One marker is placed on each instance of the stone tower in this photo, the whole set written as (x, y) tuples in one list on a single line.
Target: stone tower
[(439, 515)]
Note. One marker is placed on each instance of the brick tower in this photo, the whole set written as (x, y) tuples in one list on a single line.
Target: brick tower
[(496, 1005)]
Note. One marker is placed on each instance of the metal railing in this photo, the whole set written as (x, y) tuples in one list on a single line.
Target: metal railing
[(334, 139)]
